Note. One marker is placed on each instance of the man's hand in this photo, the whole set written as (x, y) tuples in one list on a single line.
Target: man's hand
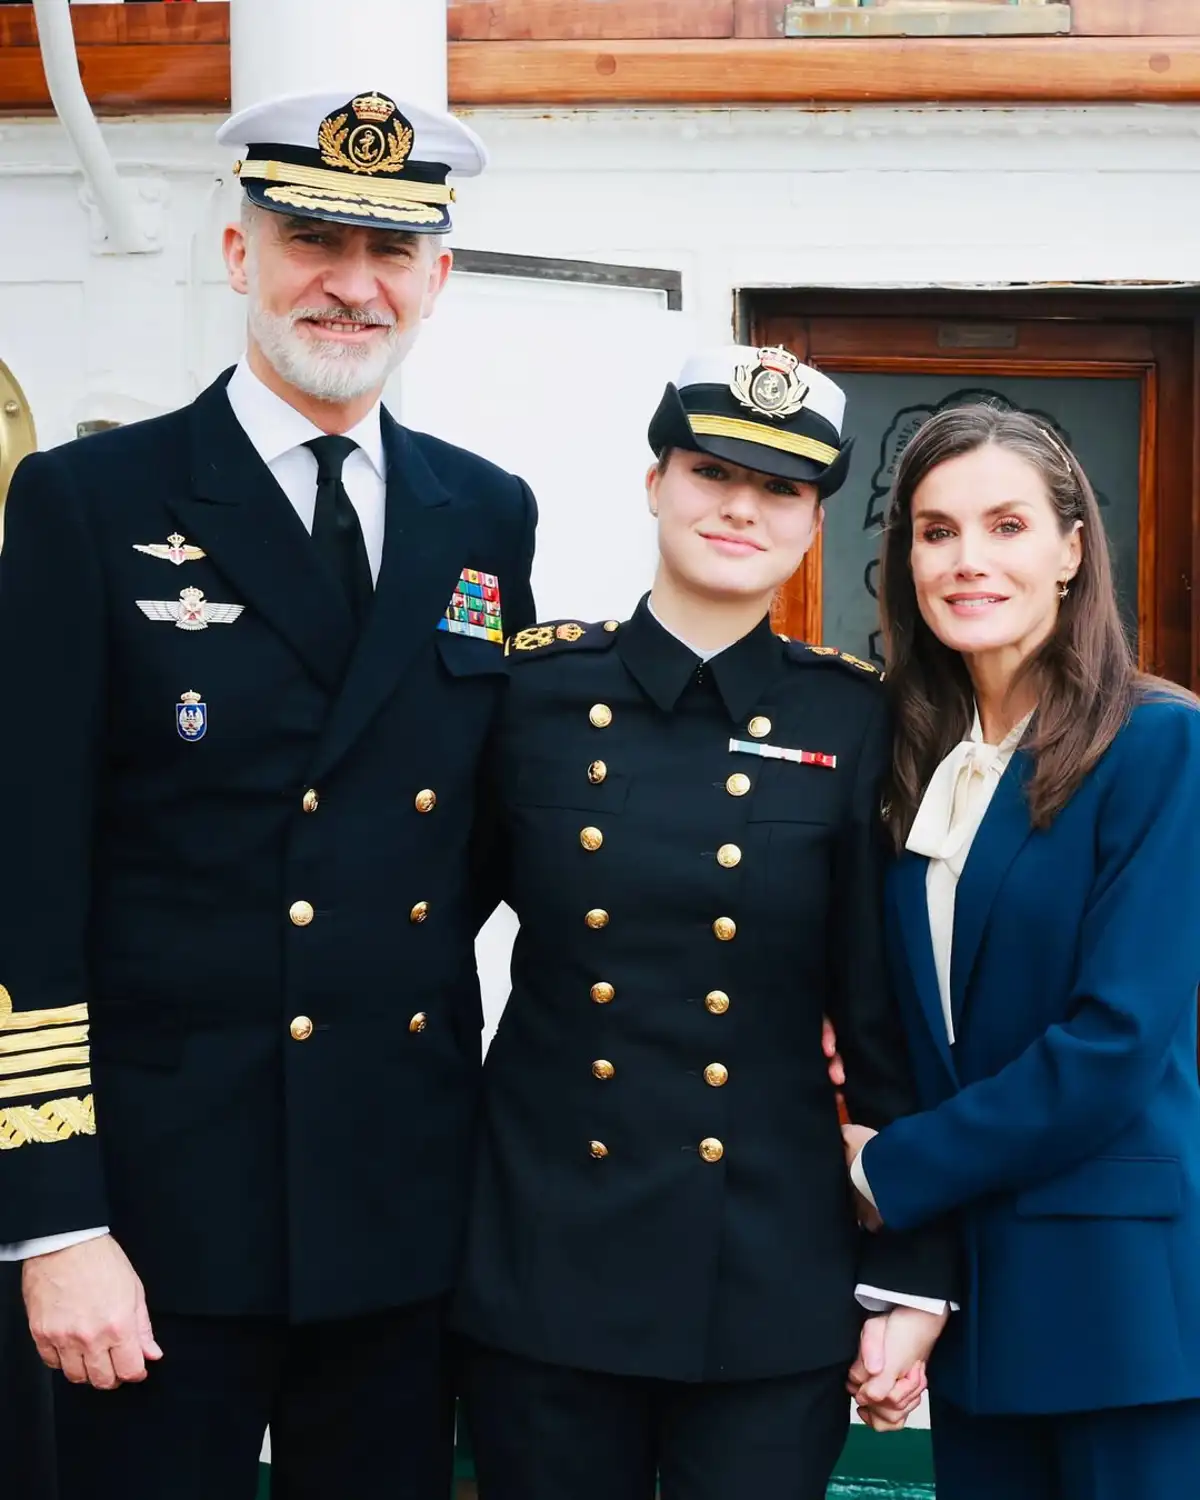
[(887, 1379), (837, 1070), (854, 1138), (87, 1313)]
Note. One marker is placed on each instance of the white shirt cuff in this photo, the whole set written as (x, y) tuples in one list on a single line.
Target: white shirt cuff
[(858, 1177), (49, 1243), (876, 1300)]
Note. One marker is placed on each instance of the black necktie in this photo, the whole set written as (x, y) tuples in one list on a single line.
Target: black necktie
[(336, 531)]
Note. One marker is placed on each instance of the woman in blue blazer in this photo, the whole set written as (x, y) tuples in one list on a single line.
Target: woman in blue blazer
[(1044, 930)]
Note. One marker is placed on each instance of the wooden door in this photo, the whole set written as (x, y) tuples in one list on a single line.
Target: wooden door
[(1119, 387)]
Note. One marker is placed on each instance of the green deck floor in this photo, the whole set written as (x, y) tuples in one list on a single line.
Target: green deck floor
[(873, 1466)]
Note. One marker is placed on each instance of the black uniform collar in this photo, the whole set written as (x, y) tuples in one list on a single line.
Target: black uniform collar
[(663, 666)]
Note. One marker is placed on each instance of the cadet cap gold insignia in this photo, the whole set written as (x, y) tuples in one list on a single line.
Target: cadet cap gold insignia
[(771, 387)]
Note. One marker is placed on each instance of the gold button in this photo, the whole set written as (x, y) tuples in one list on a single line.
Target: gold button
[(591, 839), (598, 1149), (717, 1002), (597, 771), (311, 801), (738, 784), (729, 855), (601, 715), (419, 912), (759, 727), (418, 1022), (603, 1069), (603, 993), (611, 625), (301, 1029), (596, 919), (725, 929), (711, 1149), (301, 913), (425, 801), (716, 1075)]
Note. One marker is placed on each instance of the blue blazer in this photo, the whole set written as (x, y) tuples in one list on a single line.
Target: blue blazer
[(1063, 1127)]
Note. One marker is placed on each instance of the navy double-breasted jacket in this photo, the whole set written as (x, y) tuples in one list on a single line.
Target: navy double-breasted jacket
[(244, 856), (661, 1189)]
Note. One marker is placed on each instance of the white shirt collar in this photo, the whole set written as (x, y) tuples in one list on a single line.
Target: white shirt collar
[(275, 428)]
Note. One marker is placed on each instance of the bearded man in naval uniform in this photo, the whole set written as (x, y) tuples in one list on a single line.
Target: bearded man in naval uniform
[(249, 654)]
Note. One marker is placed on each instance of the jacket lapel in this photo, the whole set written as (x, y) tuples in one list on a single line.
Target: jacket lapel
[(1002, 833), (423, 555), (252, 534), (912, 908)]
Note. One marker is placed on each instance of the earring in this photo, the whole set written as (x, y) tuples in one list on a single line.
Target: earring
[(1064, 588)]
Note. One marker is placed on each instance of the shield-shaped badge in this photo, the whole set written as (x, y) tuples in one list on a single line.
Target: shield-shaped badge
[(191, 716)]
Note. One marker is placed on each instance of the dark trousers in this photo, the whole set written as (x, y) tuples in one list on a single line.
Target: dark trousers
[(541, 1432), (360, 1407), (26, 1420), (1130, 1453)]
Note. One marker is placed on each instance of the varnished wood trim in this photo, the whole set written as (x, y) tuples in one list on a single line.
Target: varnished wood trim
[(1149, 501), (968, 71), (158, 57), (120, 25), (125, 79), (1135, 18), (568, 20)]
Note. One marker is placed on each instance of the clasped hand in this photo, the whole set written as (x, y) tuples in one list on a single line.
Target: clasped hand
[(887, 1380)]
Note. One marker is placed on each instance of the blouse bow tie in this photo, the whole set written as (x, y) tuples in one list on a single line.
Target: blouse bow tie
[(958, 795)]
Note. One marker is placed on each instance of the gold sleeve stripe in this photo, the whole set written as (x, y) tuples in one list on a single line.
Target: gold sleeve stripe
[(42, 1083), (55, 1057), (56, 1120), (30, 1020), (30, 1041), (755, 432)]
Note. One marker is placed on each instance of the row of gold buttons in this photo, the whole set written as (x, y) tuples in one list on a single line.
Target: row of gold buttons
[(425, 801), (302, 1027), (716, 1074), (710, 1149), (301, 913)]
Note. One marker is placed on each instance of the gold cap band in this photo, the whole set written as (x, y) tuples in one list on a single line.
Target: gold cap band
[(342, 183), (755, 432)]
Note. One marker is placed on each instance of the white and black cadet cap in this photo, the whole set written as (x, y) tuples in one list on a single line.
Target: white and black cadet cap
[(760, 408)]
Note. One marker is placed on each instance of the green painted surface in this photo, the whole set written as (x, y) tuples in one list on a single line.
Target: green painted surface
[(873, 1466)]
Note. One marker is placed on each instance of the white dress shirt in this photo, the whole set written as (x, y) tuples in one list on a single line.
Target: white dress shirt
[(953, 807), (279, 433)]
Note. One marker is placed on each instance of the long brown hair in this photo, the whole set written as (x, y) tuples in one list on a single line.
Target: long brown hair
[(1086, 674)]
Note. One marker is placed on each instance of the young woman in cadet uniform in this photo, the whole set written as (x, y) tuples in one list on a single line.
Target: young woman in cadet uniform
[(663, 1258)]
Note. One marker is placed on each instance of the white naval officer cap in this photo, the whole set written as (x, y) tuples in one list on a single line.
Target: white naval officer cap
[(369, 160)]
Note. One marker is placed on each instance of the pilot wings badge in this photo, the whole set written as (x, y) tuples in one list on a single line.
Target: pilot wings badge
[(191, 611), (174, 550)]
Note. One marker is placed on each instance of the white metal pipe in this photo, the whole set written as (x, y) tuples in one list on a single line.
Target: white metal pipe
[(304, 46), (114, 197)]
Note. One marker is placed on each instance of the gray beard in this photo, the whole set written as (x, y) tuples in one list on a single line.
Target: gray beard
[(325, 370)]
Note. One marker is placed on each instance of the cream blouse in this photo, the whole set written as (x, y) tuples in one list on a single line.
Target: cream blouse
[(944, 829)]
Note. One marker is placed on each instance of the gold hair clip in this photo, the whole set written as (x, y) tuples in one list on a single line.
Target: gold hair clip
[(1059, 449)]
